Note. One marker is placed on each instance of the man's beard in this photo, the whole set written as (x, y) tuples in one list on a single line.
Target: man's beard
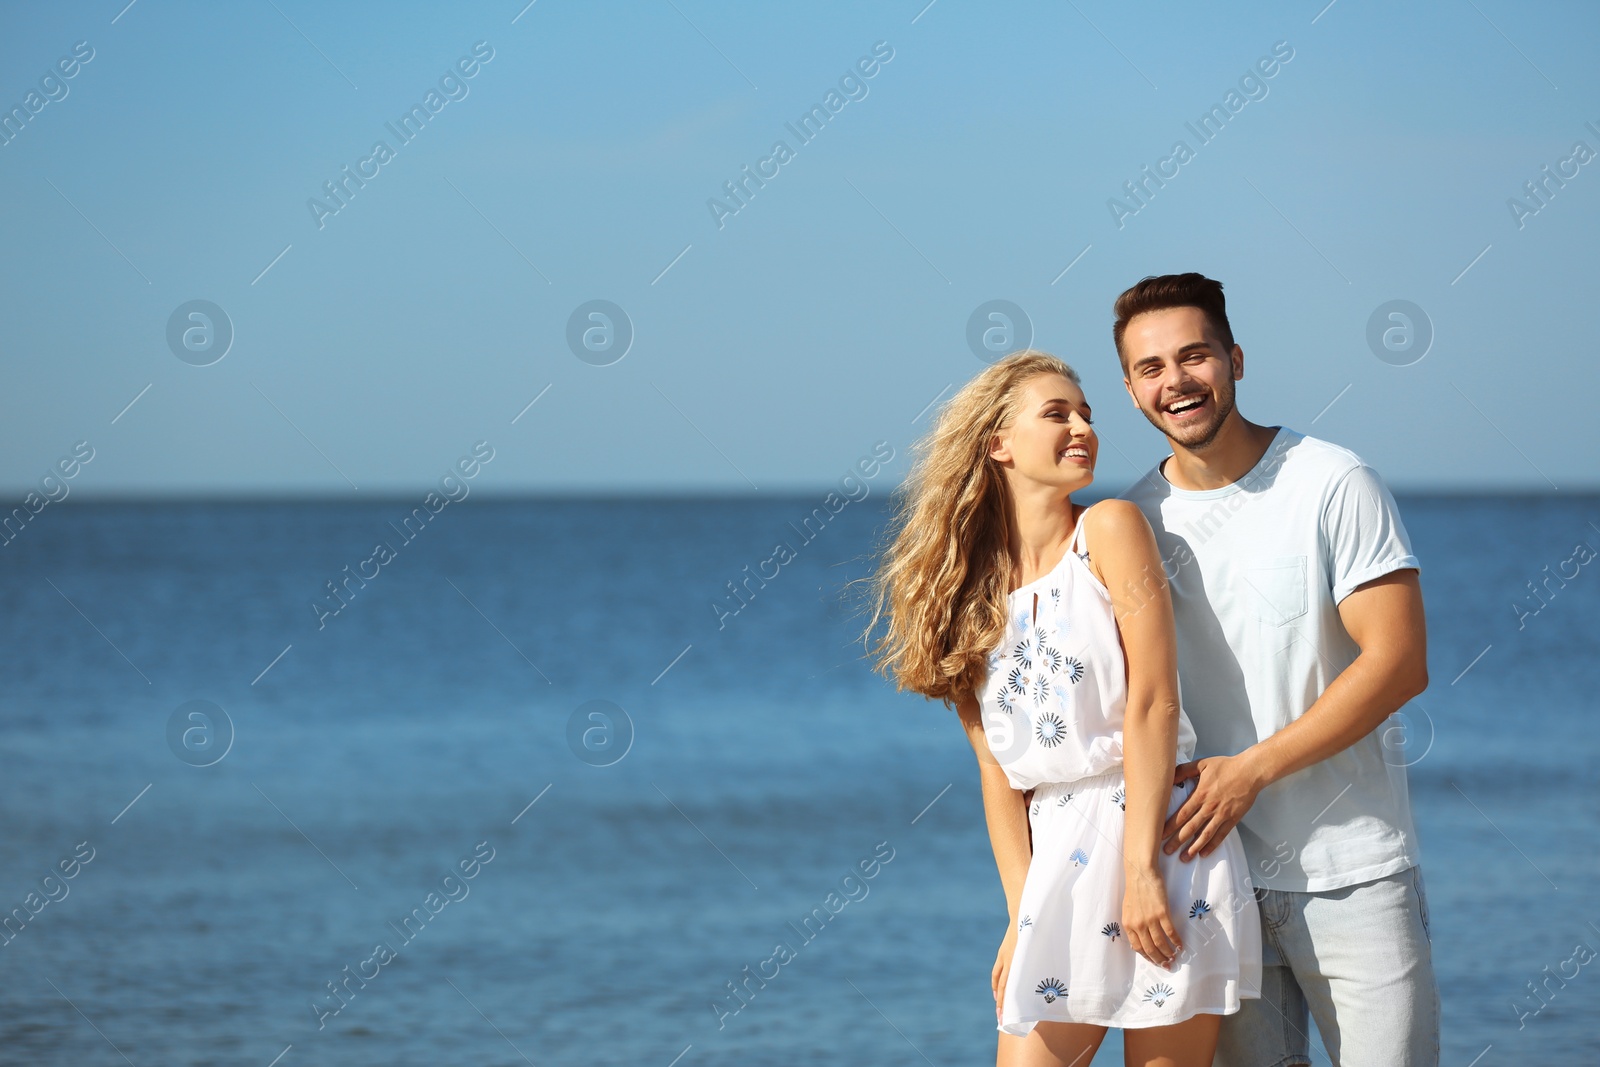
[(1201, 437)]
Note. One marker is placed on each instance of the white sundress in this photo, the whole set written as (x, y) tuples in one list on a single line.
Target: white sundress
[(1052, 705)]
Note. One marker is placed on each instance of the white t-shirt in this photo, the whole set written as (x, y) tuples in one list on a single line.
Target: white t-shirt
[(1257, 570)]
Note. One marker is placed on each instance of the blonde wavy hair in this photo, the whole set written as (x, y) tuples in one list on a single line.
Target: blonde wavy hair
[(944, 577)]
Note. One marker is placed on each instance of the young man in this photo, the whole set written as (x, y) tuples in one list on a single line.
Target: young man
[(1300, 631)]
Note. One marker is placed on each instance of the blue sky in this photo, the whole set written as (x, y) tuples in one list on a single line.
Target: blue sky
[(771, 352)]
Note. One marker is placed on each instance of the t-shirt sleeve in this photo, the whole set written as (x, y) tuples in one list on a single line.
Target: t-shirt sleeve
[(1362, 532)]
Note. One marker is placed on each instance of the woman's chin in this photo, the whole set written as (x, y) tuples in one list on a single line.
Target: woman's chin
[(1079, 479)]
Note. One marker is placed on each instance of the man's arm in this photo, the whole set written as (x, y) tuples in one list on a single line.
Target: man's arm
[(1385, 619)]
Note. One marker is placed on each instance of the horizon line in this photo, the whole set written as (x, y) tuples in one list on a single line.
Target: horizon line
[(730, 494)]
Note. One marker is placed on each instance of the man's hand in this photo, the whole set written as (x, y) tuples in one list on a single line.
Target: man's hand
[(1228, 787)]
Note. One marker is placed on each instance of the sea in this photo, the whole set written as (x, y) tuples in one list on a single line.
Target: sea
[(551, 780)]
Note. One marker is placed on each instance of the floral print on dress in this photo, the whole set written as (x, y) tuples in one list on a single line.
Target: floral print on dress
[(1022, 653), (1031, 664), (1079, 857), (1041, 687), (1113, 930), (1050, 730), (1034, 659), (1199, 909), (1050, 989), (1158, 994), (1120, 798), (1026, 920)]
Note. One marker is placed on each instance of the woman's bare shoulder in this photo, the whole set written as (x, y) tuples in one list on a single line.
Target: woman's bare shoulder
[(1114, 517)]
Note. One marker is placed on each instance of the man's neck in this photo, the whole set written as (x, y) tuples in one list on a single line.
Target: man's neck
[(1238, 446)]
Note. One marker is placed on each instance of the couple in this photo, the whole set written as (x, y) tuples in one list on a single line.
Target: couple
[(1176, 701)]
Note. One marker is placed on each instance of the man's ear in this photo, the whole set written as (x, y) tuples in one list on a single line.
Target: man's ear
[(1128, 385), (1236, 358)]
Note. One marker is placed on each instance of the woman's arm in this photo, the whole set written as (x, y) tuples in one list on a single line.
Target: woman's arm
[(1004, 809), (1123, 553)]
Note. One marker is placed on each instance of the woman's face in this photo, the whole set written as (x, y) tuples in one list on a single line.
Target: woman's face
[(1049, 441)]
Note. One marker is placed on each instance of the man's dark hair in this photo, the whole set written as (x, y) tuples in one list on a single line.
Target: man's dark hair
[(1157, 293)]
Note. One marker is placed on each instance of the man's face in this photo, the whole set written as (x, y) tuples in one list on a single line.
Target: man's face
[(1180, 375)]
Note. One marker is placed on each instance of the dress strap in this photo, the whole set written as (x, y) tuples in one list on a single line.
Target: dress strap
[(1077, 543)]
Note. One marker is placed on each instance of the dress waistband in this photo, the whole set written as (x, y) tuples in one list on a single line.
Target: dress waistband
[(1112, 776)]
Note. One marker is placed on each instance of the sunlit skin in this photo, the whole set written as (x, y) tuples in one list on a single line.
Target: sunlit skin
[(1174, 355)]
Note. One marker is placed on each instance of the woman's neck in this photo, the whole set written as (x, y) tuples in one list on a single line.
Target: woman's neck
[(1042, 524)]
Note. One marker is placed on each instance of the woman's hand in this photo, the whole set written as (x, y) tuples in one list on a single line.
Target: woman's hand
[(1002, 968), (1146, 920)]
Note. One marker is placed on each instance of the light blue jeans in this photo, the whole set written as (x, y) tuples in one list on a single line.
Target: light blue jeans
[(1359, 960)]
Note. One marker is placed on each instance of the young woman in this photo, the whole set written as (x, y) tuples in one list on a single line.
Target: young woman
[(1048, 626)]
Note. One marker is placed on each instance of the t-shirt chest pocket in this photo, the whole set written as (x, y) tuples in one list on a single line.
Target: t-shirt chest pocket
[(1276, 589)]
